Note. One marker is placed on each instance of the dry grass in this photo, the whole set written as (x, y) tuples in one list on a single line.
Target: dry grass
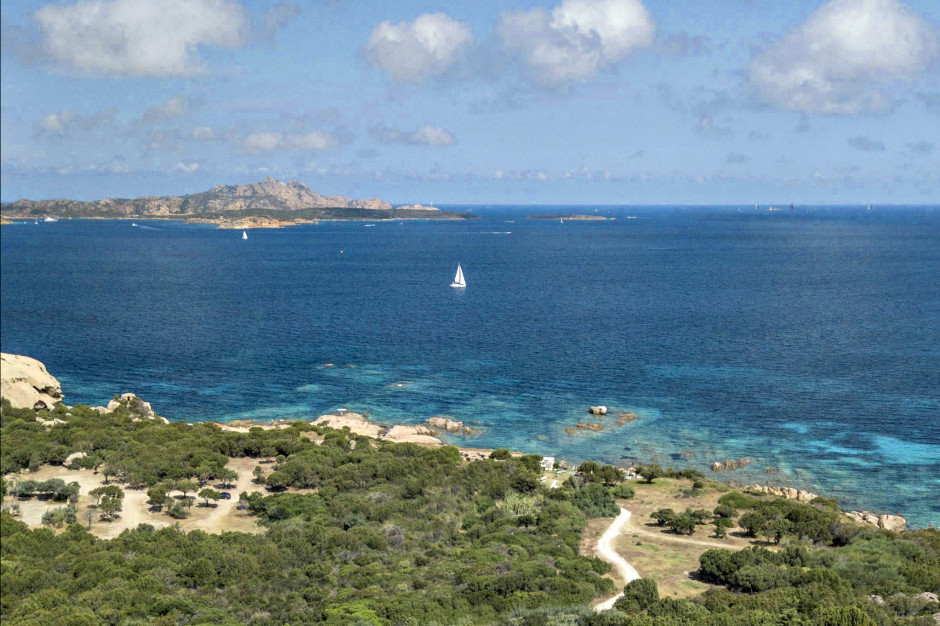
[(657, 553)]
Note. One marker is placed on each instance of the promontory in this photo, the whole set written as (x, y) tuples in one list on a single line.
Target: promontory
[(269, 203)]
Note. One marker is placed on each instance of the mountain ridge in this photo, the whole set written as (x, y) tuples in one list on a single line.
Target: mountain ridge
[(268, 195)]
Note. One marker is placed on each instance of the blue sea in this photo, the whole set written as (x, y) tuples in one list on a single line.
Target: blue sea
[(808, 341)]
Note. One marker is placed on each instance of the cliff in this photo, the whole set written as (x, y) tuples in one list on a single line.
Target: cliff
[(26, 383)]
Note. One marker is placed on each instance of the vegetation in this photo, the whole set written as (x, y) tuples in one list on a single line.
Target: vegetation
[(386, 533)]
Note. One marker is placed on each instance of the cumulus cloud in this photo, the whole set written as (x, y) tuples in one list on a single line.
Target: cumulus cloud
[(426, 135), (866, 144), (414, 51), (187, 168), (139, 37), (62, 122), (577, 38), (842, 57), (261, 141)]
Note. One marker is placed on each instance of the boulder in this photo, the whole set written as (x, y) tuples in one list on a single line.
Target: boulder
[(927, 597), (892, 522), (598, 410), (26, 383), (72, 457), (445, 423), (717, 466), (356, 422), (877, 600), (412, 434)]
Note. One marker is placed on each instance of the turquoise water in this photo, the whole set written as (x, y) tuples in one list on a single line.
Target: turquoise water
[(806, 341)]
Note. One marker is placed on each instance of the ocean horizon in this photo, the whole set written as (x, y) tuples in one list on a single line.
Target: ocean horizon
[(804, 341)]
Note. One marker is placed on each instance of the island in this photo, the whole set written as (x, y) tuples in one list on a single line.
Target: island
[(269, 203), (572, 217)]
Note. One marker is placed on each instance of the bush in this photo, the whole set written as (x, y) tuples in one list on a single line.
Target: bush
[(501, 454), (622, 491), (59, 517), (638, 595)]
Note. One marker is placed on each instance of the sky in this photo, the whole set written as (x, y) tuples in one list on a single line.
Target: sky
[(554, 102)]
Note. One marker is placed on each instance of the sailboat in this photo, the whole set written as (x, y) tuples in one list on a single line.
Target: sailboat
[(869, 206), (459, 279), (244, 234)]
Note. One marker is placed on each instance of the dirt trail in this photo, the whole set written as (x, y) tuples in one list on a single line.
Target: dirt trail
[(625, 571)]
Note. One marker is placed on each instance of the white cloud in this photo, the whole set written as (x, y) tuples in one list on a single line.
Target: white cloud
[(578, 38), (413, 51), (265, 141), (314, 140), (261, 141), (60, 123), (426, 135), (56, 123), (203, 133), (839, 60), (139, 37), (187, 168)]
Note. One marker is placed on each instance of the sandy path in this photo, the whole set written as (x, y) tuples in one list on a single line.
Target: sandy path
[(625, 571)]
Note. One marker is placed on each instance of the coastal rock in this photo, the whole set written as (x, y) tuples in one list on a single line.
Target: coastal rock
[(623, 418), (412, 434), (892, 522), (138, 408), (785, 492), (717, 466), (356, 422), (445, 423), (598, 410), (26, 383), (592, 426)]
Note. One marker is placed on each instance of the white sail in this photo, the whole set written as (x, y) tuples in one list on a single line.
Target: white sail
[(244, 234), (459, 280)]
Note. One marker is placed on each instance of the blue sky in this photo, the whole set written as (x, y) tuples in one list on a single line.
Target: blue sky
[(574, 101)]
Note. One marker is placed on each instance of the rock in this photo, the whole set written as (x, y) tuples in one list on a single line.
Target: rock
[(595, 426), (72, 457), (623, 418), (412, 434), (356, 423), (445, 423), (892, 522), (927, 597), (598, 410), (878, 600), (47, 423), (936, 618), (26, 383), (717, 466)]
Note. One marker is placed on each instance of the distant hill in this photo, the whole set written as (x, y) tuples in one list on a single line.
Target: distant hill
[(273, 199)]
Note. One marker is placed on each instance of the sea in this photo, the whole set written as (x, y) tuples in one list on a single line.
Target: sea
[(807, 341)]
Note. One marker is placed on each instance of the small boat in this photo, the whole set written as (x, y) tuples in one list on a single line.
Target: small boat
[(244, 234), (869, 206), (368, 225), (50, 219), (561, 220), (459, 280), (133, 223)]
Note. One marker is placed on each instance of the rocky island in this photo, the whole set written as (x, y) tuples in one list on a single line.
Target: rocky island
[(269, 203), (572, 217)]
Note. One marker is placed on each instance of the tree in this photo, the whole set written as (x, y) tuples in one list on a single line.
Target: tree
[(89, 515), (157, 495), (650, 472), (753, 523), (662, 516), (210, 494), (259, 474), (722, 526), (501, 454), (111, 504), (682, 524), (229, 478), (186, 486)]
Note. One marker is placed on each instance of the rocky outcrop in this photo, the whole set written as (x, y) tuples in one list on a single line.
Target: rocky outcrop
[(888, 522), (592, 426), (26, 383), (412, 434), (449, 425), (138, 409), (72, 458), (598, 410), (785, 492), (731, 464), (356, 422)]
